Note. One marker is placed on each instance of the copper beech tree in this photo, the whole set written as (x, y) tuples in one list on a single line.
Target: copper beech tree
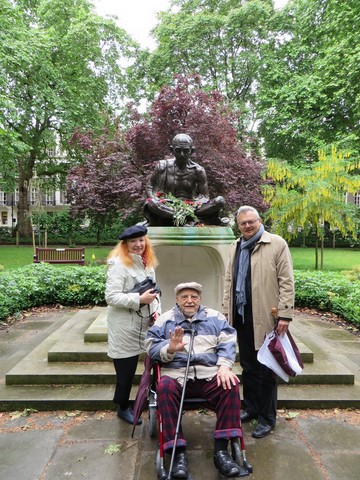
[(111, 180)]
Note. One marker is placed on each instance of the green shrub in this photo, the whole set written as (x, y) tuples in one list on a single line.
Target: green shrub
[(331, 291), (44, 284), (5, 235)]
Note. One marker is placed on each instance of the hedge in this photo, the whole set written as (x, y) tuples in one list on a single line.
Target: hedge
[(44, 284)]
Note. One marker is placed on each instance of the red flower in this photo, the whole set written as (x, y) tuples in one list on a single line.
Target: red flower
[(159, 194), (162, 200)]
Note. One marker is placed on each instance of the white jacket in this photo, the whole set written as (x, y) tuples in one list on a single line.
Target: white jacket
[(127, 326)]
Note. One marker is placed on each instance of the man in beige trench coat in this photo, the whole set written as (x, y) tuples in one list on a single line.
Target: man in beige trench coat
[(259, 281)]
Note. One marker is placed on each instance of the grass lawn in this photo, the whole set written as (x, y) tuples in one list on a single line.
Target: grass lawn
[(303, 258), (14, 257), (337, 259)]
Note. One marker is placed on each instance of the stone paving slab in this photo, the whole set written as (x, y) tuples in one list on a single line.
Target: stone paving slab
[(95, 445), (25, 455)]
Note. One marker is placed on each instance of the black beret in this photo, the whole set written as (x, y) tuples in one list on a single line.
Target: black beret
[(133, 232)]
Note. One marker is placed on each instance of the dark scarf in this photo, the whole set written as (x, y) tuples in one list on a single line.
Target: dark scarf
[(244, 259)]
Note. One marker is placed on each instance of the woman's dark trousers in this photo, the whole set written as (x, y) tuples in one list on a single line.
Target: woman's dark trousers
[(125, 369)]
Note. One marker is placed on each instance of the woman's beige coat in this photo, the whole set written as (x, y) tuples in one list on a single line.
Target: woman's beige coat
[(126, 327), (272, 284)]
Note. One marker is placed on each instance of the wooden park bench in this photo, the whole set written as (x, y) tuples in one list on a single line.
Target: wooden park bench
[(60, 255)]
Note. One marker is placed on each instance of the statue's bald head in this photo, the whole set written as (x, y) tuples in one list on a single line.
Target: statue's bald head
[(181, 140)]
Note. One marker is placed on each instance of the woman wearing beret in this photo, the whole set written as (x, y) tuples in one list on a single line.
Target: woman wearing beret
[(129, 263)]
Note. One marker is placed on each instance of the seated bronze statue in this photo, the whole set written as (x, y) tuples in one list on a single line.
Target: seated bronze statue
[(184, 179)]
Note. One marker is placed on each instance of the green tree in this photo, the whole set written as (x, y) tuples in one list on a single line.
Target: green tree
[(306, 198), (59, 68), (220, 41), (309, 92)]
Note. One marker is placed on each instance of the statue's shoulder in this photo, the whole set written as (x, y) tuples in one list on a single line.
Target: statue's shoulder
[(197, 167), (165, 164)]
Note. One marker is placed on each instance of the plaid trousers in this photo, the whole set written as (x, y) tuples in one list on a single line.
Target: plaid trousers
[(225, 403)]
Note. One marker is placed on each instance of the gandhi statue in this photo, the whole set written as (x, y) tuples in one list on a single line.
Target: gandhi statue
[(184, 179)]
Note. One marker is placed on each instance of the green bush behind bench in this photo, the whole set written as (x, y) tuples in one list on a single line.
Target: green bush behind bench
[(44, 284)]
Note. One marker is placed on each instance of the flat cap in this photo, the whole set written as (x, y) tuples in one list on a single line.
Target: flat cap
[(133, 232), (190, 285)]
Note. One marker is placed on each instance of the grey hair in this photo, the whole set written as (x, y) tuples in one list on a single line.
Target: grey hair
[(246, 208)]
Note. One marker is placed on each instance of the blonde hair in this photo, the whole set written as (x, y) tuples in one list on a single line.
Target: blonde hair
[(121, 250)]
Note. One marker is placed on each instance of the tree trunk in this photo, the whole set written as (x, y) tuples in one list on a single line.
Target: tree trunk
[(316, 254), (24, 222), (322, 253), (26, 171), (303, 239)]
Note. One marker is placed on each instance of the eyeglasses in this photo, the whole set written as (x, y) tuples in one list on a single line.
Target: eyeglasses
[(249, 222)]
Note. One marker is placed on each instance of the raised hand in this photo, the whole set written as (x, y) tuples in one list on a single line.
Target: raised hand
[(176, 342)]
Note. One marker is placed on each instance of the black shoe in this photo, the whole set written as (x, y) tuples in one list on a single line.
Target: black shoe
[(127, 415), (246, 417), (180, 466), (262, 430), (225, 464)]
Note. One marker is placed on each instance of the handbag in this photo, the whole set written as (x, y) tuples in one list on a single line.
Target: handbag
[(145, 285), (281, 355)]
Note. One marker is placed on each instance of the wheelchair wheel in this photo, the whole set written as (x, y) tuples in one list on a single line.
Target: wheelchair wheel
[(152, 422), (236, 452), (239, 457), (158, 463)]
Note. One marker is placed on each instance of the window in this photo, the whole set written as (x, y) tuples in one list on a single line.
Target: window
[(51, 152), (34, 196), (357, 199), (49, 198), (2, 198), (4, 218), (63, 199)]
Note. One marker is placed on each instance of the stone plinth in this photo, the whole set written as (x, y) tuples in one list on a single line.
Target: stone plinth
[(185, 254)]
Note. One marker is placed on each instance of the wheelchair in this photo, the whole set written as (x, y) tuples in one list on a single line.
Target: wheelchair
[(155, 429)]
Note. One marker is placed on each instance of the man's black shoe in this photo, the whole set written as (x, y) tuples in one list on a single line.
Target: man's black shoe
[(180, 466), (246, 417), (225, 464), (261, 430)]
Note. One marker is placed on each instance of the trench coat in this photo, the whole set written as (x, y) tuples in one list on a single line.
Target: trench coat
[(272, 284), (127, 323)]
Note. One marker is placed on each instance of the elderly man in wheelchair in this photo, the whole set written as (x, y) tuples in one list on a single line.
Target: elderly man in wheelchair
[(196, 348)]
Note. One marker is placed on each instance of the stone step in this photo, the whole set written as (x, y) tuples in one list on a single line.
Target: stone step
[(72, 348), (99, 397), (65, 372), (35, 371), (96, 333), (63, 358)]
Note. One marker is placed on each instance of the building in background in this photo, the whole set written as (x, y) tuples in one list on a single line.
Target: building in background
[(43, 196)]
